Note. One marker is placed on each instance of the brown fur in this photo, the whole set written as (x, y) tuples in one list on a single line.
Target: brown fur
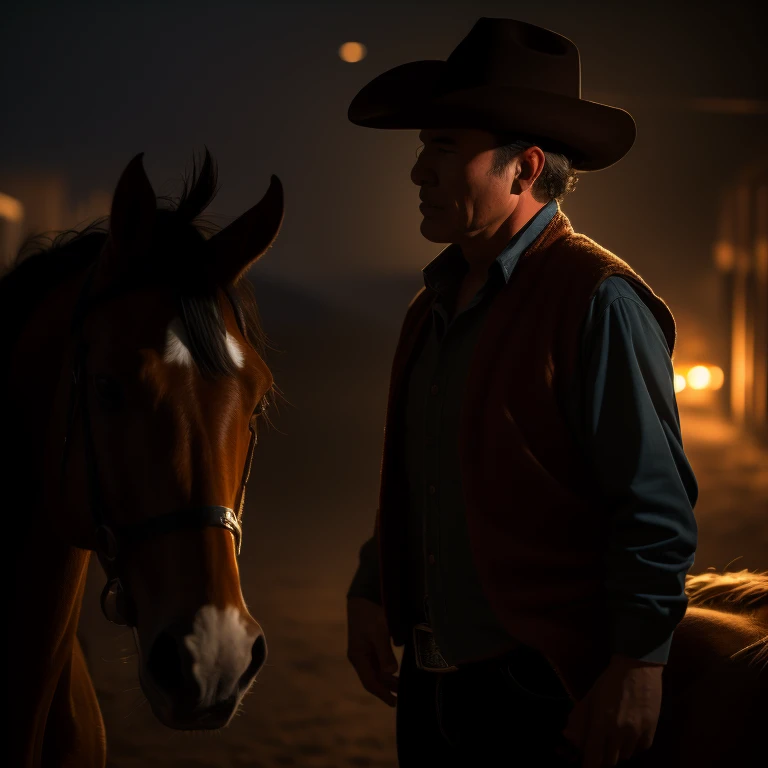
[(715, 694)]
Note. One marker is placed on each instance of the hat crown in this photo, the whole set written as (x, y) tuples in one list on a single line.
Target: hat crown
[(510, 52)]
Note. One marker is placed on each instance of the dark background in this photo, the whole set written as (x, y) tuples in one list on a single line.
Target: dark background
[(87, 86)]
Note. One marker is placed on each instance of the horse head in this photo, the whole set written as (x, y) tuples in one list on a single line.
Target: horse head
[(168, 386)]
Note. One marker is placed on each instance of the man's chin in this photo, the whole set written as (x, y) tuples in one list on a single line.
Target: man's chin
[(434, 233)]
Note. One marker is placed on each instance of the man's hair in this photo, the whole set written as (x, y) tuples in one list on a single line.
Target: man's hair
[(556, 180)]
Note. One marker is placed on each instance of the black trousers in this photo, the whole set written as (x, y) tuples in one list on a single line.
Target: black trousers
[(507, 712)]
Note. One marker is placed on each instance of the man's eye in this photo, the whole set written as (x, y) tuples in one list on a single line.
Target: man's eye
[(440, 149)]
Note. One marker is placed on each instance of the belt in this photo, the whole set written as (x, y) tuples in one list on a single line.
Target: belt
[(426, 651)]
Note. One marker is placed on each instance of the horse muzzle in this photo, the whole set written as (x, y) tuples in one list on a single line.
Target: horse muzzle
[(196, 673)]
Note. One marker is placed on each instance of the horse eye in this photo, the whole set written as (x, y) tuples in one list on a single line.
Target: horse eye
[(108, 390), (257, 412)]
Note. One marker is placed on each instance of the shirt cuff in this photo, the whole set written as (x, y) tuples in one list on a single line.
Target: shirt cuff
[(640, 639)]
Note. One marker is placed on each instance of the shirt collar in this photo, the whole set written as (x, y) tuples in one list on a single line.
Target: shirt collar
[(449, 266)]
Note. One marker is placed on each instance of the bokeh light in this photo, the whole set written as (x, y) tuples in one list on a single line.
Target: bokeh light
[(699, 377), (11, 208), (679, 382), (718, 377), (352, 52)]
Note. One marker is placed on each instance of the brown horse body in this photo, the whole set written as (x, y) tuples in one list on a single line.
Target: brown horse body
[(176, 378), (715, 684)]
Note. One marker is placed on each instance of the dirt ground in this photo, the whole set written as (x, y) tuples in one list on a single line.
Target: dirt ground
[(311, 504)]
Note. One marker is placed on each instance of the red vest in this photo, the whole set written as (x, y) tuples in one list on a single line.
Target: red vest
[(537, 528)]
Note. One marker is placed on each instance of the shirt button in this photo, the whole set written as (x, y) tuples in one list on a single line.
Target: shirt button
[(432, 490), (431, 559), (434, 389)]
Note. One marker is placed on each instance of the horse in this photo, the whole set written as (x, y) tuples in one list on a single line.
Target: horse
[(134, 388), (715, 684)]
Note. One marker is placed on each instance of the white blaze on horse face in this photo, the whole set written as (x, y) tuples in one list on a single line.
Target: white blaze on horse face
[(235, 351), (221, 648), (177, 346)]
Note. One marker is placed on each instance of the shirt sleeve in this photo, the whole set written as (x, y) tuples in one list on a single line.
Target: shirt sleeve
[(635, 447), (365, 582)]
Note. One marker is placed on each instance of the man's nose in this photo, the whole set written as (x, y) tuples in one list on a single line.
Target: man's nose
[(421, 175)]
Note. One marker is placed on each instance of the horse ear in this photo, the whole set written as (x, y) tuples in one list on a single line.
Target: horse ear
[(238, 246), (132, 217)]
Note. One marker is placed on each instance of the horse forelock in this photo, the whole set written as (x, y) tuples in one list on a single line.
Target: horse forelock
[(221, 353)]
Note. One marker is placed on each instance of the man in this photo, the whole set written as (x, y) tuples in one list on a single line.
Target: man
[(536, 510)]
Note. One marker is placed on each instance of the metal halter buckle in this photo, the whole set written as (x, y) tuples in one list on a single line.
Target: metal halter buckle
[(115, 605)]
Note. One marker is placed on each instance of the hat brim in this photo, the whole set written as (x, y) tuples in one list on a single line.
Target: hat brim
[(594, 136)]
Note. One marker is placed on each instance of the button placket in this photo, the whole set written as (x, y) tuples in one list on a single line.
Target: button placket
[(434, 406)]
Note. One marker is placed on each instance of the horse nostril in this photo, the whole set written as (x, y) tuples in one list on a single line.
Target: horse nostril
[(165, 664), (258, 657), (259, 653)]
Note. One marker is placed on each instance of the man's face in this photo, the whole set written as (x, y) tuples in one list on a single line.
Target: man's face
[(459, 193)]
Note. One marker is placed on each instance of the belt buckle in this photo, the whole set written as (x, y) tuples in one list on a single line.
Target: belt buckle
[(427, 655)]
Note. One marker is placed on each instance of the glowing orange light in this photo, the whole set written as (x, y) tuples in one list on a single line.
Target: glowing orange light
[(699, 377), (352, 52), (11, 208), (679, 382), (717, 377)]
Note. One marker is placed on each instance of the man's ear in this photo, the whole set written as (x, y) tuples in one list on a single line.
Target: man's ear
[(526, 174), (521, 169), (248, 238), (131, 220)]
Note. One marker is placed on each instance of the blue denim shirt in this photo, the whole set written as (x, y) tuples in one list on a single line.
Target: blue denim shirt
[(623, 415)]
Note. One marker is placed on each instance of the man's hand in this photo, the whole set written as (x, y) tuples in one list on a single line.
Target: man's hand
[(369, 649), (618, 716)]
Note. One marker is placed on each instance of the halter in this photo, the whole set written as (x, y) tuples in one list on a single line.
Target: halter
[(112, 539)]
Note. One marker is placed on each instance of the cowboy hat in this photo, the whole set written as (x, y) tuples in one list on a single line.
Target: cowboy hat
[(507, 77)]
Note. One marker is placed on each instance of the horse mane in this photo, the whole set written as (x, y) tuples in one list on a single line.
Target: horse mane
[(739, 592), (732, 591), (44, 262)]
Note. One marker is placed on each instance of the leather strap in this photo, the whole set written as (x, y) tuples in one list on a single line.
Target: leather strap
[(196, 517)]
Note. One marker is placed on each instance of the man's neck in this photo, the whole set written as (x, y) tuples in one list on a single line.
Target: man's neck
[(481, 248)]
